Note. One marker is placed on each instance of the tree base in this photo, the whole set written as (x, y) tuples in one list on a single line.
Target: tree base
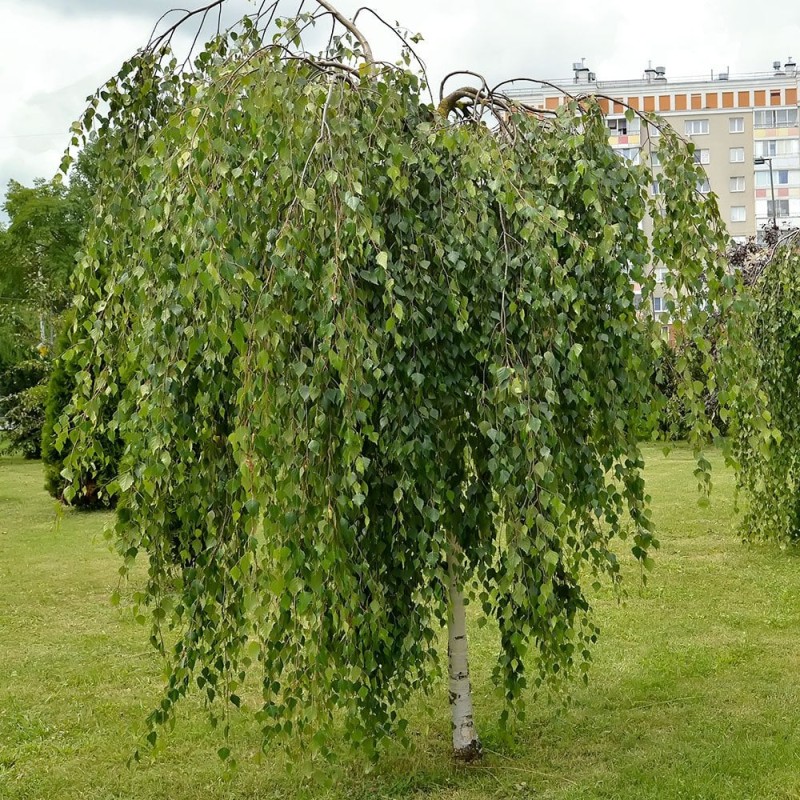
[(469, 753)]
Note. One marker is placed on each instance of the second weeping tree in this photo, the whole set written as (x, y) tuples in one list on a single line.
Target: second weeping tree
[(367, 358)]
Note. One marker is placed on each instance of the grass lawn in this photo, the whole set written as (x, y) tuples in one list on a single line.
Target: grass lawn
[(693, 694)]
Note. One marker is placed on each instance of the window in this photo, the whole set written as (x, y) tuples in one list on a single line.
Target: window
[(739, 239), (655, 160), (780, 177), (702, 156), (737, 155), (777, 147), (621, 126), (658, 305), (737, 184), (736, 124), (656, 188), (738, 214), (665, 331), (629, 153), (661, 275), (696, 126), (617, 126), (704, 187), (781, 209), (776, 118)]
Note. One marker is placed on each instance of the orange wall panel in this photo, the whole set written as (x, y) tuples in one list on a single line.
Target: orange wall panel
[(791, 97), (603, 104), (744, 99), (712, 100), (633, 102), (697, 101), (618, 107), (664, 102), (649, 102), (680, 102), (775, 97), (727, 100), (759, 97), (551, 103)]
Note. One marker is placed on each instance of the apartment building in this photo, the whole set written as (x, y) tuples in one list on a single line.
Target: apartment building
[(745, 129)]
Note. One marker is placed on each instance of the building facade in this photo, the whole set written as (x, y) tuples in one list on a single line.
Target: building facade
[(745, 130)]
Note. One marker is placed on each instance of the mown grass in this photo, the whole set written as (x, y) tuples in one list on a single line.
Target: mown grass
[(693, 694)]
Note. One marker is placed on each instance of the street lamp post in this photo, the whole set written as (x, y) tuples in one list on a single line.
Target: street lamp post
[(764, 160)]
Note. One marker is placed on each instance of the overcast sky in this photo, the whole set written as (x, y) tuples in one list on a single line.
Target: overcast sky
[(53, 53)]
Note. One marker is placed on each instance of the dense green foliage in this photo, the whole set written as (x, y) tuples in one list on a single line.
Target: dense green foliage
[(37, 256), (60, 388), (22, 398), (22, 375), (37, 251), (767, 406), (24, 418), (338, 334), (59, 393), (673, 420)]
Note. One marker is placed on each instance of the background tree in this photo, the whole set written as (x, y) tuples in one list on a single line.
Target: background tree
[(367, 357), (38, 249), (38, 253), (764, 398)]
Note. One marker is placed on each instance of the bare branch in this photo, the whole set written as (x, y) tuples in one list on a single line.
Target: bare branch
[(534, 80), (463, 72), (403, 39), (164, 16), (156, 42), (449, 103), (352, 28)]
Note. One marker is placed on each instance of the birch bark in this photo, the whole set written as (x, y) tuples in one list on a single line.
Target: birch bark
[(466, 745)]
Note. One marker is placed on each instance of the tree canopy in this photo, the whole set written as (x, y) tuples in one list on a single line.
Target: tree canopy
[(358, 349)]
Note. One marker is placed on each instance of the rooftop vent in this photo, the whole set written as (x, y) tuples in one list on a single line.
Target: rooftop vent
[(649, 73), (661, 74), (776, 66), (790, 66), (581, 71)]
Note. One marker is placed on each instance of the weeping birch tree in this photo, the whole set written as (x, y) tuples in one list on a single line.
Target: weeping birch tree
[(765, 403), (369, 357)]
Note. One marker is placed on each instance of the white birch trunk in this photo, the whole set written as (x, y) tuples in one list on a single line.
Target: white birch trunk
[(466, 745)]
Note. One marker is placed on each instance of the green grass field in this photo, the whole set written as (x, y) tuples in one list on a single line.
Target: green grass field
[(693, 694)]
